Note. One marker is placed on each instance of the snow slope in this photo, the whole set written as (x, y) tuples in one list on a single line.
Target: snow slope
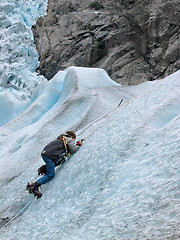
[(121, 184)]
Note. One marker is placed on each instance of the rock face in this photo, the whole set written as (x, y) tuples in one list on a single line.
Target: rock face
[(133, 40)]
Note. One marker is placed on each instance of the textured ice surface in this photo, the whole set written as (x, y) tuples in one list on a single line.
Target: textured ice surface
[(121, 184)]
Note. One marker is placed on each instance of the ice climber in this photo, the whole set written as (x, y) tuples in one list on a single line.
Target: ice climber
[(54, 154)]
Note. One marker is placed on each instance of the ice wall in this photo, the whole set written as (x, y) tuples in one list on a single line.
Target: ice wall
[(122, 183)]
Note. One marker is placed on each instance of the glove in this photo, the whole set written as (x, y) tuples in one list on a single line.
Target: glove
[(80, 142)]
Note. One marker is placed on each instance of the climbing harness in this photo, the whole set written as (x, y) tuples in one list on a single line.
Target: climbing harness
[(64, 139)]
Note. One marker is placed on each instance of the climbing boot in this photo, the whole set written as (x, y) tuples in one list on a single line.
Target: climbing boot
[(33, 189)]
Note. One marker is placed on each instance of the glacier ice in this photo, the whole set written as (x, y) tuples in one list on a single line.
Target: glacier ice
[(18, 55), (121, 184)]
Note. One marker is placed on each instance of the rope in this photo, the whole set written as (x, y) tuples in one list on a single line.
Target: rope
[(17, 214), (113, 112), (97, 120)]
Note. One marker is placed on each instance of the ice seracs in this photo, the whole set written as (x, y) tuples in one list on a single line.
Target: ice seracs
[(18, 55)]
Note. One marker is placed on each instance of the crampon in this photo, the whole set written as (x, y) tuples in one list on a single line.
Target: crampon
[(33, 189)]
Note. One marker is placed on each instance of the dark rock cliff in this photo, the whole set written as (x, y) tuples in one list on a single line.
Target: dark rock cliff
[(133, 40)]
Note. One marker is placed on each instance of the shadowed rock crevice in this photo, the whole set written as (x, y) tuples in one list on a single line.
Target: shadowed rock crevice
[(134, 41)]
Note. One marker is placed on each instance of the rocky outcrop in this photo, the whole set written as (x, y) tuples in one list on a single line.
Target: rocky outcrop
[(133, 40)]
